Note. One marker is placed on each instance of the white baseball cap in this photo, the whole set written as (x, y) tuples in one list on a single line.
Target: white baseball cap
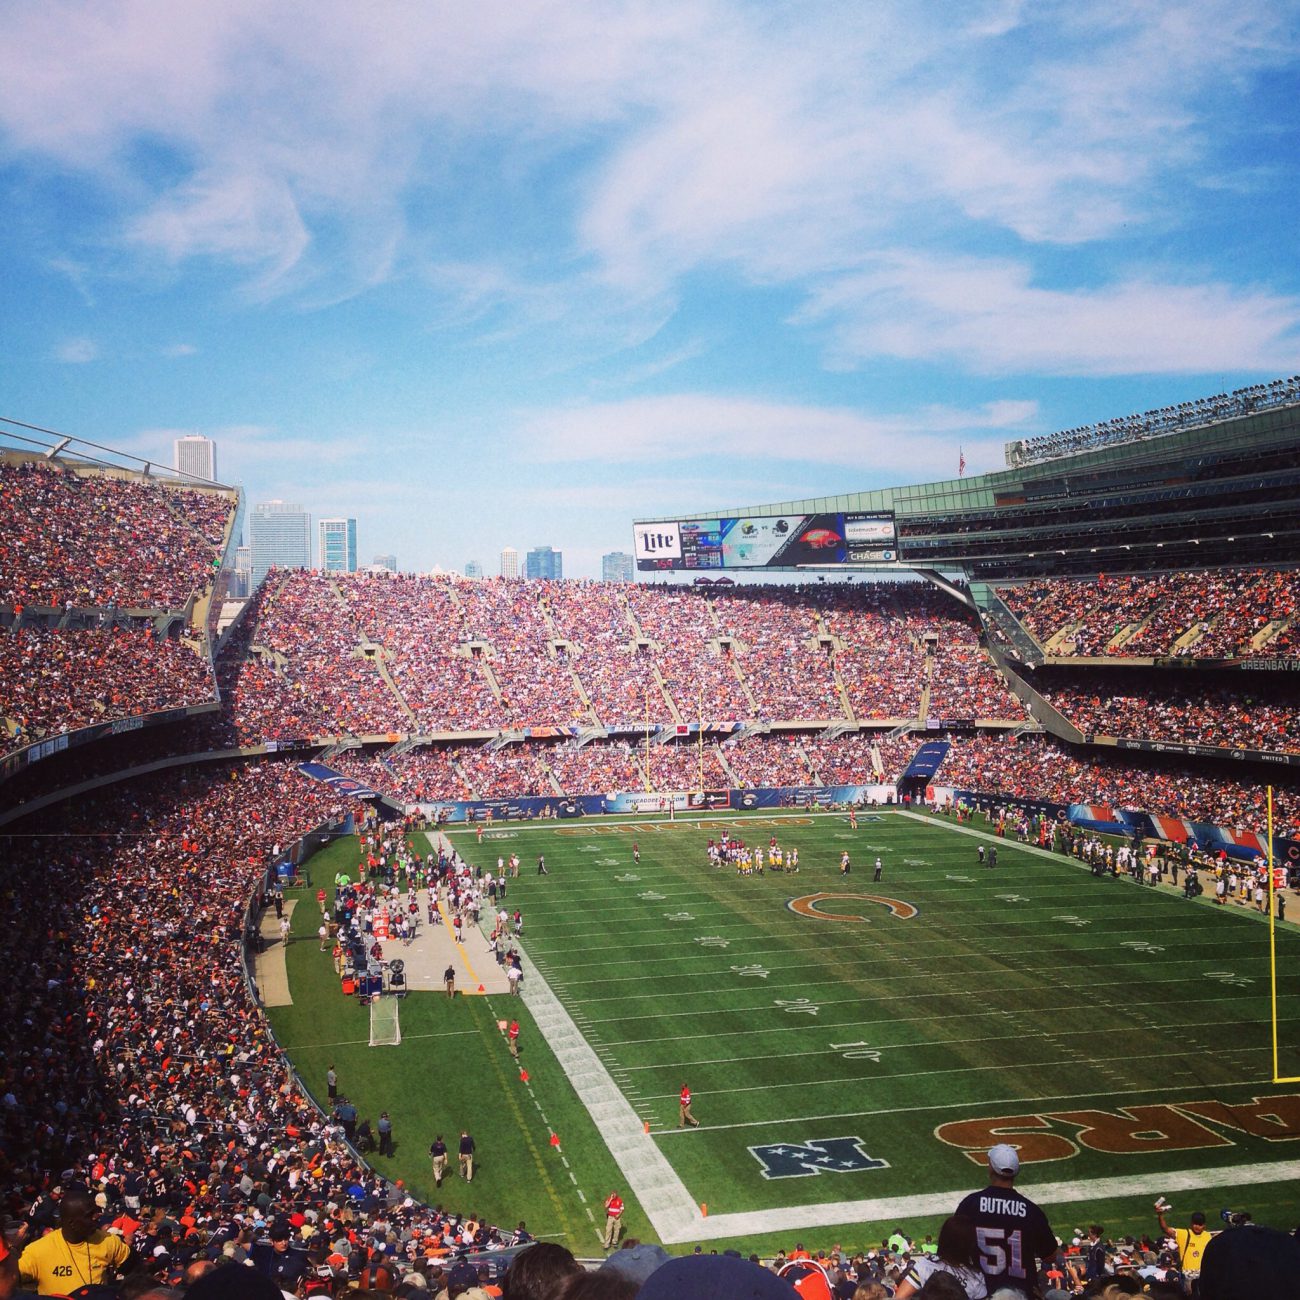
[(1004, 1160)]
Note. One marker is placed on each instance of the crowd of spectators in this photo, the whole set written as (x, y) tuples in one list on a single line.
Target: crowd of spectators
[(788, 660), (880, 662), (93, 540), (1040, 767), (422, 623), (700, 675), (850, 759), (1214, 614), (678, 765), (1147, 706), (317, 649), (483, 656), (1150, 424), (57, 680), (1034, 766), (537, 688), (777, 759), (102, 545), (599, 767), (134, 1059)]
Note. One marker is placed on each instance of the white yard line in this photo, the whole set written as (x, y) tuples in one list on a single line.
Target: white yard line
[(1017, 1035), (1088, 987), (1113, 936), (858, 1024), (965, 1104), (1199, 1053), (915, 949), (888, 1209), (1153, 966)]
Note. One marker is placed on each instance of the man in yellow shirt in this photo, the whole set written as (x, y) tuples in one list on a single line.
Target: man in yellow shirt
[(1191, 1240), (76, 1253)]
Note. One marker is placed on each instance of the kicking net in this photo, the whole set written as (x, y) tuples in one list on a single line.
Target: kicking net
[(385, 1028)]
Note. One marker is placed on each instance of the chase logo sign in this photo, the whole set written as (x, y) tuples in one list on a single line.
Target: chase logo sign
[(837, 1155), (658, 541)]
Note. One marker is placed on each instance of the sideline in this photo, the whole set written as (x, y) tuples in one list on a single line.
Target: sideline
[(270, 970), (755, 1222), (651, 1179)]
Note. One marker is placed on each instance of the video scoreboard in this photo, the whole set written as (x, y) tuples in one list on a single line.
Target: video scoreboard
[(765, 542)]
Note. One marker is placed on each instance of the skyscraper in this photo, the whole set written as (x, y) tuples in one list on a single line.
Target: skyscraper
[(616, 567), (195, 455), (473, 568), (280, 535), (338, 545), (388, 562), (509, 563), (241, 585), (543, 562)]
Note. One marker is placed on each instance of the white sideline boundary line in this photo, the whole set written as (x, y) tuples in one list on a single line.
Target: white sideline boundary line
[(752, 1223), (652, 1180), (677, 1219)]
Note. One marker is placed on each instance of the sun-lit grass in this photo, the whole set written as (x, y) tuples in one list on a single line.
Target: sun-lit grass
[(1029, 990)]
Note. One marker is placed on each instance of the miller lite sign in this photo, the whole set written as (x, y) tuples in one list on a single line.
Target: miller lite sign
[(658, 541)]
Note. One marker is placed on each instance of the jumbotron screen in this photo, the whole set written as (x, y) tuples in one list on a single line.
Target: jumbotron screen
[(765, 542)]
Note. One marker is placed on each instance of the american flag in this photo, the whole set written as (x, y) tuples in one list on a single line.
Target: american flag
[(961, 463)]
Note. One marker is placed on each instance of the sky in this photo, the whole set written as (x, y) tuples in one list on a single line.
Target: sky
[(511, 274)]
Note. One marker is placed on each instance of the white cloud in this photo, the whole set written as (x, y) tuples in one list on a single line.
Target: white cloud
[(988, 316), (696, 426), (777, 144), (176, 350), (77, 352), (248, 217)]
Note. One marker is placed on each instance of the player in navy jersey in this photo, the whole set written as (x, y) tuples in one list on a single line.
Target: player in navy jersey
[(1011, 1231)]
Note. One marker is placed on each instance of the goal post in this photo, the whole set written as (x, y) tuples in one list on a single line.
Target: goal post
[(385, 1027)]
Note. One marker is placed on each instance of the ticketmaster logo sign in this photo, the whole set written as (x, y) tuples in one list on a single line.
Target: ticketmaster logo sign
[(658, 542)]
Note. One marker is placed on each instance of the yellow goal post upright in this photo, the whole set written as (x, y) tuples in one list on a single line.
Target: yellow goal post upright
[(1272, 947)]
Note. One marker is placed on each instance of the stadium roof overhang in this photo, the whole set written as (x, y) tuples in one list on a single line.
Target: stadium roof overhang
[(1222, 493)]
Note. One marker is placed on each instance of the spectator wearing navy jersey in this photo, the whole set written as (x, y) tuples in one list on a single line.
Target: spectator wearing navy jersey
[(1012, 1233)]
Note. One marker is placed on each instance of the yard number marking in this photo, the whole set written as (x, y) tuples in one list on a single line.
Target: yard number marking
[(797, 1006), (856, 1051)]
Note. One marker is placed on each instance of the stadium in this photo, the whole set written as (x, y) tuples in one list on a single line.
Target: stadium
[(1050, 709)]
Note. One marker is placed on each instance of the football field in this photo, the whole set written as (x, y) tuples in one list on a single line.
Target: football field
[(852, 1047)]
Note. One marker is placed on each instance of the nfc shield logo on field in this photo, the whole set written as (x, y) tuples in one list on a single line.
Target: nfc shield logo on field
[(837, 1155)]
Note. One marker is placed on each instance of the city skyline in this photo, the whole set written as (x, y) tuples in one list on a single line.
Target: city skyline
[(544, 271)]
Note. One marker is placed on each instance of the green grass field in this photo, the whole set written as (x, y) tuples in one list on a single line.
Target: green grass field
[(1118, 1034)]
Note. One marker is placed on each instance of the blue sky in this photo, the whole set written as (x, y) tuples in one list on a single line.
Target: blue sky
[(510, 274)]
